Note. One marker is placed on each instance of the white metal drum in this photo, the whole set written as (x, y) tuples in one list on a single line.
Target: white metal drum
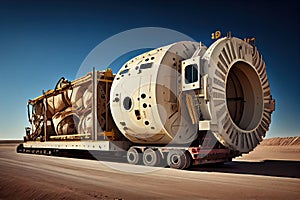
[(146, 99)]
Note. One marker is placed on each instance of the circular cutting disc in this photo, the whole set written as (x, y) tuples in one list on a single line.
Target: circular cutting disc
[(240, 102)]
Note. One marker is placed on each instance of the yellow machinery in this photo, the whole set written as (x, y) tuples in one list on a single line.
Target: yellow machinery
[(184, 103)]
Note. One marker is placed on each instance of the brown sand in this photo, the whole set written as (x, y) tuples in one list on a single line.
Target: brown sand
[(269, 172)]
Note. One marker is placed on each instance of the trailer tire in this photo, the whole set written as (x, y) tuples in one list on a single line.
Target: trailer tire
[(151, 157), (20, 148), (134, 156), (189, 160), (179, 159)]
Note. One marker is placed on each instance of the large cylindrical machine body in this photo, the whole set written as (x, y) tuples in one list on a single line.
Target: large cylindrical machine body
[(145, 97), (171, 93)]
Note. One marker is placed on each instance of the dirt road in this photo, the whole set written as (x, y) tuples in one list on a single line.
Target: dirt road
[(25, 176)]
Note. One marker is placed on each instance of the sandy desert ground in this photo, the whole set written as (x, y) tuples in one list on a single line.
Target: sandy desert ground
[(269, 172)]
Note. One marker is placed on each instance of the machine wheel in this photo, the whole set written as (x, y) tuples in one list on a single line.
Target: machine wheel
[(151, 157), (241, 103), (134, 156), (179, 159)]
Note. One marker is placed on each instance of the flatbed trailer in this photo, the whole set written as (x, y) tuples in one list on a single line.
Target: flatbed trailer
[(179, 157)]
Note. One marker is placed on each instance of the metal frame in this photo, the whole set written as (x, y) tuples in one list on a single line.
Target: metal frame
[(94, 105)]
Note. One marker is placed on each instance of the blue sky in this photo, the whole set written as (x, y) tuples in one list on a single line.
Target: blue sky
[(41, 41)]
